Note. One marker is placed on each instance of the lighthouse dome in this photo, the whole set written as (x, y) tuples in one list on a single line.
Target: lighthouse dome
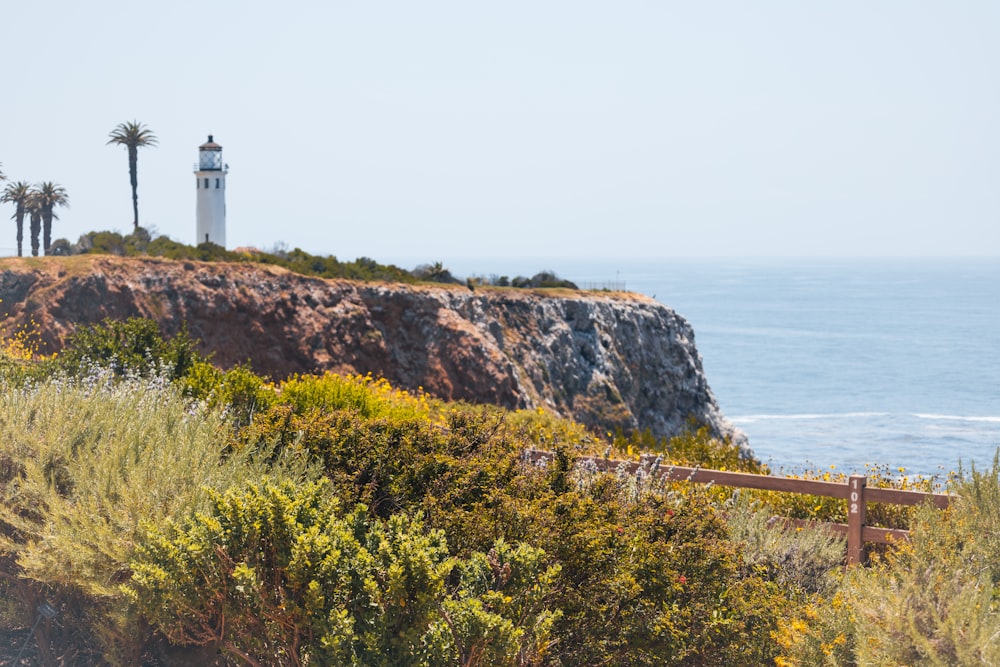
[(210, 156), (210, 145)]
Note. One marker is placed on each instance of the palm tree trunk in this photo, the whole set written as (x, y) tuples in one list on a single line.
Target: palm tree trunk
[(46, 229), (36, 228), (133, 168), (19, 217)]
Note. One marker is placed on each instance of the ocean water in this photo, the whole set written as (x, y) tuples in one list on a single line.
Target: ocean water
[(844, 363)]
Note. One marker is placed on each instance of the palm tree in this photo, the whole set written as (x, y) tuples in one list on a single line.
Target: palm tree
[(132, 136), (50, 195), (17, 193), (2, 177), (33, 205)]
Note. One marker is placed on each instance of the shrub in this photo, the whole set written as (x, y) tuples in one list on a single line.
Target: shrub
[(20, 359), (82, 464), (435, 273), (141, 242), (239, 391), (130, 347), (654, 581), (429, 541), (696, 446), (385, 463), (804, 559), (104, 243), (163, 246), (539, 429), (542, 279), (647, 576), (274, 575), (931, 601), (330, 392), (550, 279)]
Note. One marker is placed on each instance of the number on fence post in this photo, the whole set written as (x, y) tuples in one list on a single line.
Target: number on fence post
[(855, 519)]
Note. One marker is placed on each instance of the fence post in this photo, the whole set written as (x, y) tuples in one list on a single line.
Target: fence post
[(855, 519)]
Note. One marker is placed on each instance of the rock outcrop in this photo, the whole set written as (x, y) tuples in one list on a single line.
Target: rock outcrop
[(603, 359)]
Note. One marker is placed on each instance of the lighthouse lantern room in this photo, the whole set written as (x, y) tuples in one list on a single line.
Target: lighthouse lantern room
[(210, 183)]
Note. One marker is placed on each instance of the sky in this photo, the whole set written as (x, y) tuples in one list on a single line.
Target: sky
[(416, 131)]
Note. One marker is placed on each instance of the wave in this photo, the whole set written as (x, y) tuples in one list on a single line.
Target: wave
[(962, 418), (749, 419)]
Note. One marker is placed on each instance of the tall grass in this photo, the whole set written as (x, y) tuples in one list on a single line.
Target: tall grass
[(83, 465), (931, 601), (805, 558)]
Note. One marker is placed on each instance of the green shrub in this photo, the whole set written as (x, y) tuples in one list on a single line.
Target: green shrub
[(163, 246), (550, 279), (646, 577), (239, 391), (539, 429), (131, 347), (696, 446), (498, 614), (103, 243), (435, 273), (274, 575), (977, 503), (330, 392)]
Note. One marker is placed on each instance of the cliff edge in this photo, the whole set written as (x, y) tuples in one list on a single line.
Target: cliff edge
[(603, 359)]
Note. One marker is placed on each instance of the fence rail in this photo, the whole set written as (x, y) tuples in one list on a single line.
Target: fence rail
[(855, 492)]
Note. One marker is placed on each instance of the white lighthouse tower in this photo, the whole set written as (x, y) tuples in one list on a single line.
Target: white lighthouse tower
[(210, 181)]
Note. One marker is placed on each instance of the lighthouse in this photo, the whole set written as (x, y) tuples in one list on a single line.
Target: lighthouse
[(210, 182)]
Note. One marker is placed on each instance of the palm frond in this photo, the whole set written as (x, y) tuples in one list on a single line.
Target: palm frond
[(52, 194), (132, 135), (15, 192)]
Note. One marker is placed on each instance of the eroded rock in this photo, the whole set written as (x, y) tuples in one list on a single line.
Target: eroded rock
[(606, 360)]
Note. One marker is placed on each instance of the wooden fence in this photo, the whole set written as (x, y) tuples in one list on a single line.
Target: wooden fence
[(855, 492)]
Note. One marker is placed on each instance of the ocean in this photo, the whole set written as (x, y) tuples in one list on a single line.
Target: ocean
[(845, 363)]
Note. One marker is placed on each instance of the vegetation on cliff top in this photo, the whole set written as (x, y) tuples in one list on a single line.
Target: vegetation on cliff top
[(141, 244), (169, 510)]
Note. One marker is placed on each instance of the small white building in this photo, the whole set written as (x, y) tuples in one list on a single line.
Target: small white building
[(210, 182)]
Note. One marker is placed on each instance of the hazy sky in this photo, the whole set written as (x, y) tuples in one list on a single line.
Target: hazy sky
[(533, 129)]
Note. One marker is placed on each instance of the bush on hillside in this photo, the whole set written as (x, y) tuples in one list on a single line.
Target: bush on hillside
[(82, 464), (239, 392), (542, 279), (931, 601), (646, 577), (695, 446), (133, 346), (277, 574), (141, 243), (629, 570), (435, 273), (804, 559)]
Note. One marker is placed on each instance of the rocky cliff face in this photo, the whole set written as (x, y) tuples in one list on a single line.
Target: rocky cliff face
[(603, 359)]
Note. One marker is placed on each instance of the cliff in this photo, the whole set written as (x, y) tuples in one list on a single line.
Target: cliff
[(603, 359)]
